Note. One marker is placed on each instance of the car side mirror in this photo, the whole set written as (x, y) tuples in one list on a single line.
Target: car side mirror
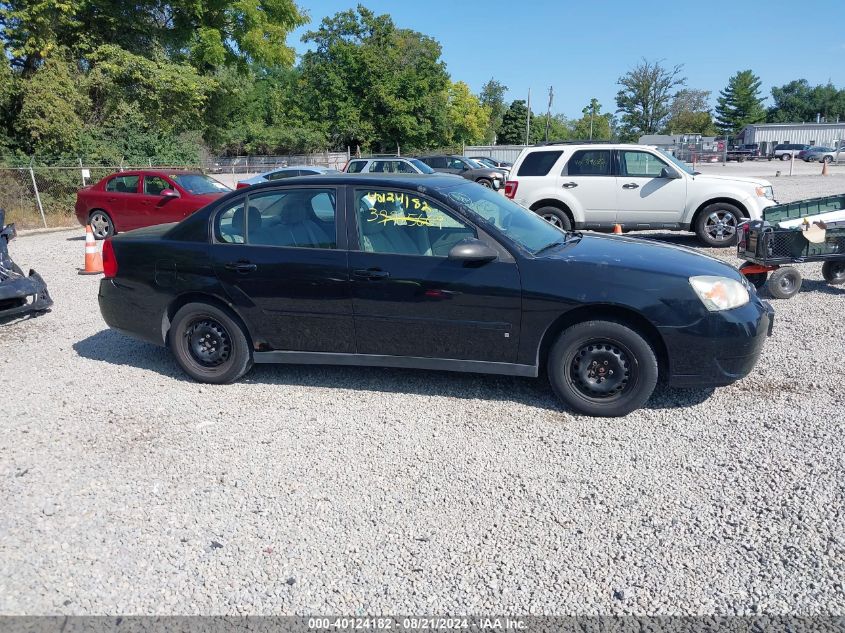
[(472, 250), (669, 173), (169, 193)]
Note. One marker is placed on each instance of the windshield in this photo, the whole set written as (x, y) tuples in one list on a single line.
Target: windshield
[(677, 162), (485, 161), (524, 227), (424, 169), (473, 164), (199, 184)]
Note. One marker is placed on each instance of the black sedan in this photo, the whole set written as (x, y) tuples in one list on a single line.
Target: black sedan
[(429, 272)]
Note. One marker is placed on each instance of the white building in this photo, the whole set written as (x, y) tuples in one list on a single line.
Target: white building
[(767, 135)]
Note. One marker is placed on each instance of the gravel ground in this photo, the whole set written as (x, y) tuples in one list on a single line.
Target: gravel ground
[(126, 488)]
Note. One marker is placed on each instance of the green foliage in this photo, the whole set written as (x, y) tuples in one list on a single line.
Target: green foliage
[(593, 124), (645, 97), (468, 119), (739, 104), (493, 98), (372, 84), (690, 113), (512, 131), (797, 101)]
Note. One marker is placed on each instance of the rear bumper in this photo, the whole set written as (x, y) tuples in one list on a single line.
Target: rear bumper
[(719, 349), (131, 311), (22, 295)]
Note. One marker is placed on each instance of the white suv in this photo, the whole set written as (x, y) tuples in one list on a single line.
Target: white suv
[(599, 185)]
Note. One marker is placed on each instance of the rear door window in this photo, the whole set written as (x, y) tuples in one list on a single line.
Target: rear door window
[(356, 166), (538, 163), (589, 162), (123, 184)]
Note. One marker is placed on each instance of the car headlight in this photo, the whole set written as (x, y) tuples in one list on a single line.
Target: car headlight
[(719, 293), (766, 192)]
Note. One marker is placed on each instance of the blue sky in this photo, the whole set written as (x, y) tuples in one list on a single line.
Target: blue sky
[(581, 48)]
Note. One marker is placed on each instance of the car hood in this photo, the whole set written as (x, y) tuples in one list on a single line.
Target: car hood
[(644, 255), (756, 182)]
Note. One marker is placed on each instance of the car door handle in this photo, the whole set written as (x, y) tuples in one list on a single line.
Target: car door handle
[(371, 274), (241, 267), (569, 185), (631, 185)]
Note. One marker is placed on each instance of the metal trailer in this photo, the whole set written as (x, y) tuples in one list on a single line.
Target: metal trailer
[(769, 251)]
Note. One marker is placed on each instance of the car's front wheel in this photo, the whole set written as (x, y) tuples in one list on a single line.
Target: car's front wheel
[(717, 224), (602, 368), (785, 156), (827, 159), (101, 224), (556, 217), (208, 344)]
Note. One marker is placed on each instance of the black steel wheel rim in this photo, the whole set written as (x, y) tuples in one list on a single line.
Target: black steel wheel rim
[(837, 271), (602, 370), (208, 342)]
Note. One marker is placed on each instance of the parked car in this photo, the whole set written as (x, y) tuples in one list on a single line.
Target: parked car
[(466, 167), (828, 155), (805, 154), (599, 185), (133, 199), (388, 165), (429, 272), (491, 162), (286, 172), (785, 151)]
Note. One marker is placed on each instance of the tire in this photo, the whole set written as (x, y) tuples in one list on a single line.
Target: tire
[(717, 224), (758, 280), (197, 331), (101, 224), (556, 217), (626, 357), (834, 272), (827, 159), (485, 183), (785, 156), (784, 283)]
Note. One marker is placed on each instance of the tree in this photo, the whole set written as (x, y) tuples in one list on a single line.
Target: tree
[(593, 124), (467, 117), (493, 97), (512, 131), (645, 97), (798, 101), (739, 104), (690, 113), (371, 83)]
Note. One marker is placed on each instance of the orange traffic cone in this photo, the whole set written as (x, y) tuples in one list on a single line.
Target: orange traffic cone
[(824, 168), (93, 259), (617, 229)]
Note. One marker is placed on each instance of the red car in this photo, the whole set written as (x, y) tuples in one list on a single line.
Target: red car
[(132, 199)]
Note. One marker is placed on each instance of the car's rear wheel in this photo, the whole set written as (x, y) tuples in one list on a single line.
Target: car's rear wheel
[(208, 344), (717, 224), (602, 368), (485, 183), (556, 217), (101, 224), (834, 272), (784, 283)]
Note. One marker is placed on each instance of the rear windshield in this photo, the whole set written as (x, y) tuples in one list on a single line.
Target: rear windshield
[(538, 163)]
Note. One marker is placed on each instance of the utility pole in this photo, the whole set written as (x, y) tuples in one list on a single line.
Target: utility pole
[(592, 114), (528, 118), (549, 112)]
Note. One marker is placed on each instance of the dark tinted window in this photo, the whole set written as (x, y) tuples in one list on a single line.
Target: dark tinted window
[(437, 162), (123, 184), (356, 166), (284, 173), (538, 163), (589, 162)]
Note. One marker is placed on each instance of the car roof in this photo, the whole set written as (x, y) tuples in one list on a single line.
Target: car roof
[(156, 172), (433, 181)]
